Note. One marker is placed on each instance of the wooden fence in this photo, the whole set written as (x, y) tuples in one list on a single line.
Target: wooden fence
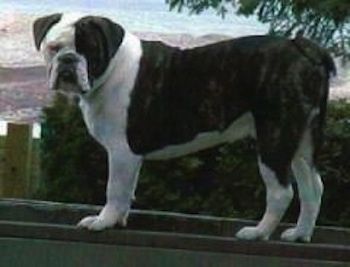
[(19, 162)]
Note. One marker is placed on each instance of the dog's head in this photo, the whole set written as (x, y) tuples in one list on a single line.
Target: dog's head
[(77, 51)]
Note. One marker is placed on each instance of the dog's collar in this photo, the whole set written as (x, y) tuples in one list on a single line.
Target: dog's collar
[(98, 83)]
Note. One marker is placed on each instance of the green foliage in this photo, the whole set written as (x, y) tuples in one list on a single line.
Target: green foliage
[(326, 21), (74, 166), (198, 6), (220, 181), (223, 181), (334, 165)]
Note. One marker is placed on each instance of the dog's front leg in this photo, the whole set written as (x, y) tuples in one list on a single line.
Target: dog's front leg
[(123, 175)]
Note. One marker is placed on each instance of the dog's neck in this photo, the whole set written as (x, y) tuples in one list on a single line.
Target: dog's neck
[(125, 61), (96, 84)]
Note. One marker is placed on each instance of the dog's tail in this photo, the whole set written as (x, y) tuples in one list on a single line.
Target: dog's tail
[(315, 53), (320, 57), (328, 62)]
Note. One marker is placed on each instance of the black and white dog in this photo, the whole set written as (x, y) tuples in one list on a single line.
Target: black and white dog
[(144, 100)]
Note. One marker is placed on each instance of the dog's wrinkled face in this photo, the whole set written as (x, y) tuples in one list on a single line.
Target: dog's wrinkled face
[(77, 51)]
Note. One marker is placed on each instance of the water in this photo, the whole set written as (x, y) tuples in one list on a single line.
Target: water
[(145, 15)]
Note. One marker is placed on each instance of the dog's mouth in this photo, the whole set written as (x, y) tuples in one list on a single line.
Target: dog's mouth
[(65, 80), (67, 75)]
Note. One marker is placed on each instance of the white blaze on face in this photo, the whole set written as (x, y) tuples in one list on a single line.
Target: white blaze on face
[(60, 35), (59, 39)]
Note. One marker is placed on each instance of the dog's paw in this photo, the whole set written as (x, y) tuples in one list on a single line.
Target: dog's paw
[(293, 235), (95, 223), (251, 233), (107, 218)]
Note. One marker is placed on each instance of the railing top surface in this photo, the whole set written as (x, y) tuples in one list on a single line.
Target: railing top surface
[(56, 221)]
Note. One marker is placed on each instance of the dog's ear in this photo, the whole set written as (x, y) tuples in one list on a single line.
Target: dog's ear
[(42, 26), (97, 39)]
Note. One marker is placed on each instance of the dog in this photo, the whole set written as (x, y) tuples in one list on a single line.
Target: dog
[(145, 100)]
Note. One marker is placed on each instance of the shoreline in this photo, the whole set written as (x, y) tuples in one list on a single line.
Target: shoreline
[(17, 40), (23, 93)]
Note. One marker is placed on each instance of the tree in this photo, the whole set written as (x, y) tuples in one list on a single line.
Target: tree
[(327, 21)]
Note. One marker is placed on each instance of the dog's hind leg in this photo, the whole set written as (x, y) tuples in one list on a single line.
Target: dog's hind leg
[(278, 128), (310, 189), (278, 197)]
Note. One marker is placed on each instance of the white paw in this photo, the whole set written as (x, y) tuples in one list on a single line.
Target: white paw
[(251, 233), (293, 235), (107, 218), (96, 223)]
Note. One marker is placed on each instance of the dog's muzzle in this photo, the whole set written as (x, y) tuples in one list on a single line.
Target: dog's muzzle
[(68, 73), (66, 70)]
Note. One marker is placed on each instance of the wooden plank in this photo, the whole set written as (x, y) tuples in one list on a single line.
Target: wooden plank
[(69, 214), (15, 179), (198, 235), (2, 159), (35, 170), (20, 252)]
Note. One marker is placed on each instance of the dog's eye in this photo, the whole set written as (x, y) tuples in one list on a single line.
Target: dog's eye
[(54, 48)]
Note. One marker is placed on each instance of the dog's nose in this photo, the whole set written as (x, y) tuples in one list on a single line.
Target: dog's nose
[(67, 58)]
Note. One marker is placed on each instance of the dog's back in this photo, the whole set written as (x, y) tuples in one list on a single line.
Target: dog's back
[(272, 88), (256, 73)]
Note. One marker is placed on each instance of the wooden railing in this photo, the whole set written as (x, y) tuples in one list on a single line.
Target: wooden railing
[(19, 162), (42, 234)]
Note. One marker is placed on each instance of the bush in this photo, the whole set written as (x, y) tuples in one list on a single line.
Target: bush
[(223, 181), (74, 165), (334, 165)]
